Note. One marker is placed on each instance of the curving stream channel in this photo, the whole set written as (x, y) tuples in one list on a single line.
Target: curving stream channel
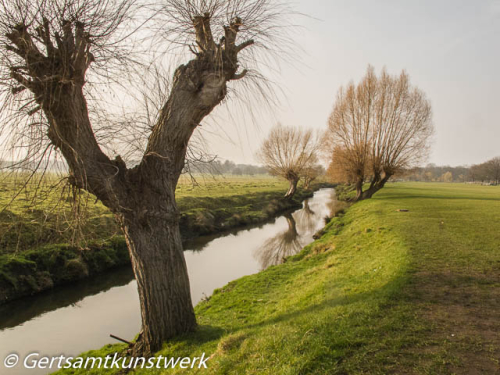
[(75, 318)]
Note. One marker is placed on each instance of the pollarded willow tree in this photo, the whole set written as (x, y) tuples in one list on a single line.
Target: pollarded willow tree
[(376, 129), (50, 48), (288, 152)]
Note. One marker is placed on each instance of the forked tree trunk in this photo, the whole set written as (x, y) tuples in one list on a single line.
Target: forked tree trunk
[(142, 197), (292, 189), (376, 185)]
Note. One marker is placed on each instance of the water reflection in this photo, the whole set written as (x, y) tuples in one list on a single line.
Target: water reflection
[(276, 249), (301, 226), (29, 308), (199, 244), (335, 206), (307, 219)]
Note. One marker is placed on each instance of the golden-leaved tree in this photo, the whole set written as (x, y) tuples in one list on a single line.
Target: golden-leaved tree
[(377, 128)]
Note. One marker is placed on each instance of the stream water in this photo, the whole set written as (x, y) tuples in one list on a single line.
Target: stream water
[(75, 318)]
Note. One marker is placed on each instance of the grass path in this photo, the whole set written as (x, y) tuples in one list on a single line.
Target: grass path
[(453, 235), (381, 292)]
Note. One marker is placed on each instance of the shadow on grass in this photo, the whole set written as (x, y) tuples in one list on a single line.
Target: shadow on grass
[(386, 295), (357, 329), (202, 335)]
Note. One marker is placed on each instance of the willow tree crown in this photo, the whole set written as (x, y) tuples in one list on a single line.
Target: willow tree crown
[(52, 46)]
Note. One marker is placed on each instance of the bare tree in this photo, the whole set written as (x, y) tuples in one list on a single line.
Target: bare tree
[(377, 128), (49, 51), (488, 171), (311, 173), (477, 172), (287, 152)]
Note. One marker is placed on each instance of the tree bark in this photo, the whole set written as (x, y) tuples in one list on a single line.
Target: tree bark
[(160, 270), (359, 189), (292, 189)]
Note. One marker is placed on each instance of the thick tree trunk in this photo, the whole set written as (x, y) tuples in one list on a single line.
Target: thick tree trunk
[(151, 226), (162, 280), (292, 189), (375, 186), (359, 189)]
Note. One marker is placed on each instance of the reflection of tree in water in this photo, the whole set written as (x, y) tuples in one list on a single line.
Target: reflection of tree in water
[(306, 219), (280, 246)]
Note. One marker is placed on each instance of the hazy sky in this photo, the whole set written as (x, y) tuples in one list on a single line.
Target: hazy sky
[(450, 48)]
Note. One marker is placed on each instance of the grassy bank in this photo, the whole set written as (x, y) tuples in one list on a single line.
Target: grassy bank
[(382, 291), (43, 214), (226, 203), (40, 245)]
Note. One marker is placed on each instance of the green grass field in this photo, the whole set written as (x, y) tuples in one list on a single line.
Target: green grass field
[(381, 292), (41, 215)]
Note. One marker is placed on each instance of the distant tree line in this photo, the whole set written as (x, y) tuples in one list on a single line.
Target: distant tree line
[(202, 165), (485, 173), (219, 167)]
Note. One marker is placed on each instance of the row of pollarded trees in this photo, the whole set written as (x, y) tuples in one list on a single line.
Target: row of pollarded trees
[(377, 128), (291, 153)]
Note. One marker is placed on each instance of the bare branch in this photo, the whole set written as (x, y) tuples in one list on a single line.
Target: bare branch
[(240, 75), (245, 45)]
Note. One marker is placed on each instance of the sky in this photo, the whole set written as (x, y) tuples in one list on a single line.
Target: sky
[(450, 49)]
